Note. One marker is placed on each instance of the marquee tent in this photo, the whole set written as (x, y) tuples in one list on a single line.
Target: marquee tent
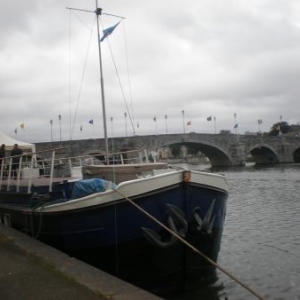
[(9, 143)]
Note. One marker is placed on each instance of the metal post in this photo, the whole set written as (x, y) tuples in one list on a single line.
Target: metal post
[(51, 124), (51, 171), (166, 118), (235, 124), (30, 176), (183, 122), (59, 119), (98, 13), (19, 174), (215, 125), (125, 115)]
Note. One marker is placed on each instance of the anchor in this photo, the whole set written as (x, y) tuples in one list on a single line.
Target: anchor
[(207, 223), (174, 213)]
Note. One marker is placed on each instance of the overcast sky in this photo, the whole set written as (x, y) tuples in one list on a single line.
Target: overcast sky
[(235, 60)]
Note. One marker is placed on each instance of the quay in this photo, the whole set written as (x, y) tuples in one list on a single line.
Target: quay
[(31, 269)]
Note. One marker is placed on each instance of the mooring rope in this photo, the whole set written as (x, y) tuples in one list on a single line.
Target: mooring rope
[(192, 247)]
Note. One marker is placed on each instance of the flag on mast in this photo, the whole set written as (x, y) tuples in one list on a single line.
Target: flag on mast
[(108, 31)]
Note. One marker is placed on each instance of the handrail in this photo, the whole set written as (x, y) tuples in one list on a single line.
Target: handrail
[(47, 166), (34, 153), (18, 175), (110, 153)]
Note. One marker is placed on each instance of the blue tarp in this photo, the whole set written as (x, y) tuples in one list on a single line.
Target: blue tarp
[(86, 187)]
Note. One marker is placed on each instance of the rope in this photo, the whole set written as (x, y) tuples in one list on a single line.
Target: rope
[(40, 202), (193, 248)]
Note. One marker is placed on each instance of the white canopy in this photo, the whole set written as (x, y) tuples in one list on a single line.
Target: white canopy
[(9, 143)]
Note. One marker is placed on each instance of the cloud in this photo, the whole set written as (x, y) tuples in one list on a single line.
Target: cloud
[(206, 58)]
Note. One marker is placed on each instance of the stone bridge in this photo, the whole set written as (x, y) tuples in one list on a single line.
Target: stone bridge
[(221, 149)]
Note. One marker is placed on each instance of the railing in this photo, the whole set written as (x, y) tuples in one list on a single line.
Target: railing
[(31, 166), (27, 168)]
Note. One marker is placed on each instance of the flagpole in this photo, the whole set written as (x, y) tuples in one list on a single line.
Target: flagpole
[(215, 126), (98, 13), (183, 121), (235, 124)]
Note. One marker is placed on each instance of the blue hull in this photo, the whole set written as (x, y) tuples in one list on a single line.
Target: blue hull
[(112, 236)]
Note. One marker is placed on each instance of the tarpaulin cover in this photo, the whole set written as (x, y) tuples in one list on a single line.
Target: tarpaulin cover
[(87, 187)]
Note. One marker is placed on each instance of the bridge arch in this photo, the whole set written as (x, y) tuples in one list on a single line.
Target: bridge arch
[(216, 155), (296, 155), (263, 154)]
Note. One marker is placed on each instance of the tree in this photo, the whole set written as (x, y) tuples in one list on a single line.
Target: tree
[(279, 127), (175, 150), (192, 149)]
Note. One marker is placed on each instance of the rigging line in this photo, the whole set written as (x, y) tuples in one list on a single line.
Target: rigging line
[(119, 80), (121, 87), (128, 74), (192, 247), (69, 75), (115, 205), (113, 149), (80, 19), (81, 83)]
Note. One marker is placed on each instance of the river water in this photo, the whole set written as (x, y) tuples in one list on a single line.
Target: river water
[(261, 239)]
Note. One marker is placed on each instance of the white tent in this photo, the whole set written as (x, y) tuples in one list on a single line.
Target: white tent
[(9, 143)]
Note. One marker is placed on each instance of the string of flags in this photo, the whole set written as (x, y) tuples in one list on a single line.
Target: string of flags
[(188, 124)]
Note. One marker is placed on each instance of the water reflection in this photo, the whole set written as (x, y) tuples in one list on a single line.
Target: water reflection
[(261, 240), (200, 290)]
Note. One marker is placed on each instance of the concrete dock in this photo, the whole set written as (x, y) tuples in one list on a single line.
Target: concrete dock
[(30, 270)]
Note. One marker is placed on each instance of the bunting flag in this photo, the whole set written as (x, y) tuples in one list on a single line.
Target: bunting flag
[(22, 125), (91, 122), (236, 125), (209, 118), (189, 124), (108, 31)]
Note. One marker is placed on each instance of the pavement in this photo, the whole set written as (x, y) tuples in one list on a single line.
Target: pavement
[(30, 270)]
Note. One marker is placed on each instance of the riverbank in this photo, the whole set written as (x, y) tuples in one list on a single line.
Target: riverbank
[(33, 270)]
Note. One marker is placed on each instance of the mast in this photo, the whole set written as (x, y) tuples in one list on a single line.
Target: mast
[(98, 13)]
